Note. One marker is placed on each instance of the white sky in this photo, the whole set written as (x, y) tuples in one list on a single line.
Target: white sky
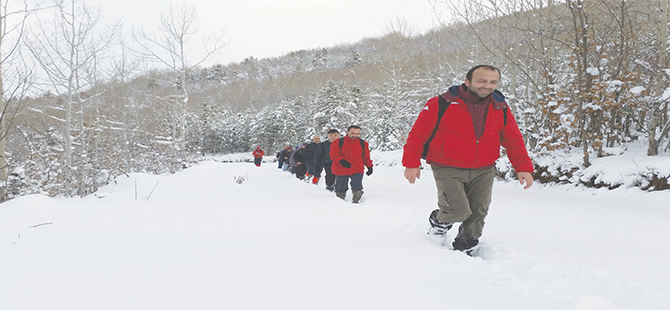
[(268, 28)]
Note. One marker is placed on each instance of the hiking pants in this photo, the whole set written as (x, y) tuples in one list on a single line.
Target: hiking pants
[(330, 177), (317, 171), (342, 180), (464, 195), (310, 167), (300, 171)]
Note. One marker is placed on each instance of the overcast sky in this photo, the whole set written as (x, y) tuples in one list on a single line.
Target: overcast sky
[(267, 28)]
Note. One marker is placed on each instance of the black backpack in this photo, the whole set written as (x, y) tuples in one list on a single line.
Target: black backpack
[(443, 105)]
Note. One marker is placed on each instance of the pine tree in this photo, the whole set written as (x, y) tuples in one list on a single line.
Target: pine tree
[(337, 105)]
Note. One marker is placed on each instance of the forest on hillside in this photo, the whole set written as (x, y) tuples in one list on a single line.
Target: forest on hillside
[(586, 76)]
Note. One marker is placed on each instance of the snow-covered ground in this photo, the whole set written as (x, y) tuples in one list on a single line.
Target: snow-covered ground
[(199, 240)]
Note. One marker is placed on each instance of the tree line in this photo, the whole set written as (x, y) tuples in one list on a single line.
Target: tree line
[(586, 75)]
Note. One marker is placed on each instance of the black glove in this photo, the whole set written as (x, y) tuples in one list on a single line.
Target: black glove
[(345, 163), (369, 171)]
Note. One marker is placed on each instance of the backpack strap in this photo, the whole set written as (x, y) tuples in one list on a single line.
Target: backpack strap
[(500, 98), (443, 105)]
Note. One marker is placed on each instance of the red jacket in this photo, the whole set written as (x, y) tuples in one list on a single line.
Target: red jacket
[(455, 143), (351, 151), (258, 153)]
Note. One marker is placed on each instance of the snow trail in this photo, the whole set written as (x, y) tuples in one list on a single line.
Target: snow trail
[(202, 241)]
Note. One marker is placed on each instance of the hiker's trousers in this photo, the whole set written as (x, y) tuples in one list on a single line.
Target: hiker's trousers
[(464, 195)]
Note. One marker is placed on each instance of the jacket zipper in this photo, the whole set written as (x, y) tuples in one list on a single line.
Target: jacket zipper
[(474, 164)]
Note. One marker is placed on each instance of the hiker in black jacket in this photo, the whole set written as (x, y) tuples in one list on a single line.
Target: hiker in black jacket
[(322, 160), (300, 168), (284, 157), (309, 152)]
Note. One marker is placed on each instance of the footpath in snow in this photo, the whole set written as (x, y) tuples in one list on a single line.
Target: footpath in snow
[(199, 240)]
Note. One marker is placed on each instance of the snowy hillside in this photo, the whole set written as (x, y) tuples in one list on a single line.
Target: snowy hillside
[(199, 240)]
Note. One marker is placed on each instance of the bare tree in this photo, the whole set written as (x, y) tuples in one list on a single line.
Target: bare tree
[(69, 50), (21, 77), (126, 104), (169, 49), (660, 109)]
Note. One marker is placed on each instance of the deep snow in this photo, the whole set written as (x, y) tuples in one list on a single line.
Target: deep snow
[(202, 241)]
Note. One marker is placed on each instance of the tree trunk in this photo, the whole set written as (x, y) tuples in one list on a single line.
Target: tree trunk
[(580, 24), (657, 114), (3, 138), (3, 130)]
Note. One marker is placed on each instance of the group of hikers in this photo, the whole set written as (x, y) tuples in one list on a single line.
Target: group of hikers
[(342, 160), (458, 133)]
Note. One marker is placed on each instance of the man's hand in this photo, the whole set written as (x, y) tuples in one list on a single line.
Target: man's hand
[(411, 174), (524, 178)]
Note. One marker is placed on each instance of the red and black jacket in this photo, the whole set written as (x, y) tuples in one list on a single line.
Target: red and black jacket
[(353, 151), (455, 143)]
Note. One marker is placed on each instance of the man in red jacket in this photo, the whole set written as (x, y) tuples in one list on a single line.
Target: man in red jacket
[(258, 156), (350, 155), (463, 151)]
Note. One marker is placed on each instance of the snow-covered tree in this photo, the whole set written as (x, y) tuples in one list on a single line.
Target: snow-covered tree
[(337, 106), (392, 109)]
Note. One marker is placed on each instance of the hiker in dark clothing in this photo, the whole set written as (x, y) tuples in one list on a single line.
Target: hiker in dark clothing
[(283, 157), (322, 160), (309, 152), (300, 167), (279, 162)]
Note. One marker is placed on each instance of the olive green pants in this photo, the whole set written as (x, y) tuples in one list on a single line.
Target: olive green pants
[(464, 195)]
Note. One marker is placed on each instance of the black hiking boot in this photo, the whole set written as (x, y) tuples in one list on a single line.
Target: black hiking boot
[(465, 245), (437, 227)]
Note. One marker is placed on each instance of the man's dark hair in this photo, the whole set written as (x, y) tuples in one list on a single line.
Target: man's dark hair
[(353, 127), (468, 76), (333, 131)]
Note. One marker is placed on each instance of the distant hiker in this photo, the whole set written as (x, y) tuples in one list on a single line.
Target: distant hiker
[(464, 146), (279, 162), (284, 156), (350, 156), (300, 167), (309, 152), (258, 156), (291, 159), (322, 160)]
